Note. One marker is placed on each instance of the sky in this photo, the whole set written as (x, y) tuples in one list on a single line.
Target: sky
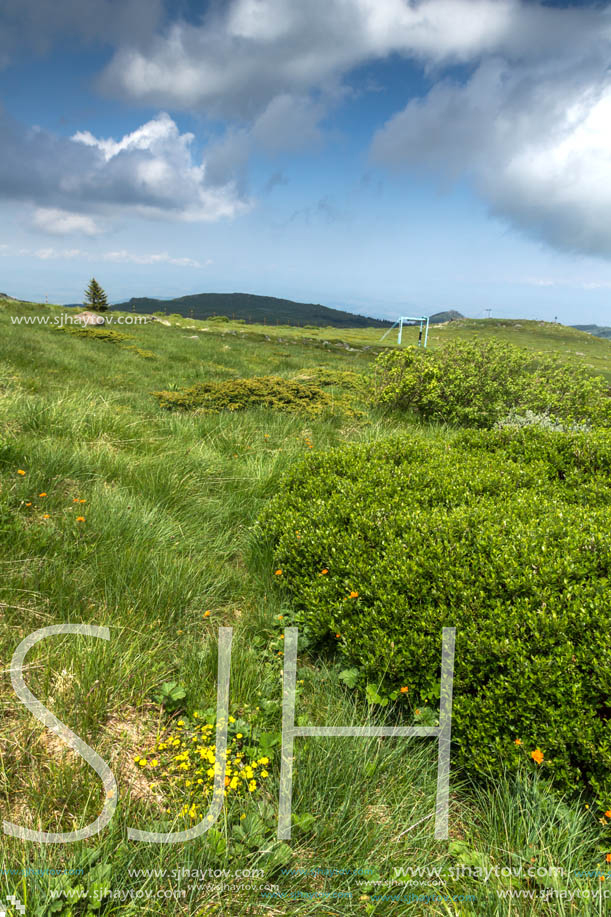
[(390, 157)]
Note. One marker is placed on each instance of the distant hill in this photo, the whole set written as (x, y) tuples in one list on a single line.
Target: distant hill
[(253, 309), (599, 331), (450, 316)]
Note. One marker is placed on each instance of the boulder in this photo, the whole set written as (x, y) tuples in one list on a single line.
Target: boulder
[(90, 318)]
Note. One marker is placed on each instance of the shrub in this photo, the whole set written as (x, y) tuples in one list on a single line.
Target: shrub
[(98, 334), (238, 394), (502, 534), (477, 383)]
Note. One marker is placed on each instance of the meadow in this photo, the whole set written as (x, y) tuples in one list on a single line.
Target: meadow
[(119, 513)]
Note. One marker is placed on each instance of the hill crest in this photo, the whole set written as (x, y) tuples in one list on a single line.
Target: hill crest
[(252, 309)]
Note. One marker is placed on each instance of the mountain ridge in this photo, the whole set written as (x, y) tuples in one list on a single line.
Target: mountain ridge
[(252, 309)]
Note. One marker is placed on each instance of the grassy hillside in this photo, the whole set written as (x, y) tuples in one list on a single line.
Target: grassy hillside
[(252, 309), (116, 513)]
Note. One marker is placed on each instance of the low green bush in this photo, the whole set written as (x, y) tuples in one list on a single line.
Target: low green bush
[(97, 334), (238, 394), (478, 383), (503, 534)]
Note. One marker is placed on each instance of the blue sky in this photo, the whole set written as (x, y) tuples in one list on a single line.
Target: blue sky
[(384, 156)]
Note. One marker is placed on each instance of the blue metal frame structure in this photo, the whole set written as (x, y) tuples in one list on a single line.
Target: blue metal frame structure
[(422, 320)]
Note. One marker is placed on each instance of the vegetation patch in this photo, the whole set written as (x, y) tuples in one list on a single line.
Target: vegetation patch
[(238, 394), (478, 383), (502, 534), (182, 765), (98, 334)]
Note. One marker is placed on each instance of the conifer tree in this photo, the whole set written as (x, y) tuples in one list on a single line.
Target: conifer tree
[(95, 297)]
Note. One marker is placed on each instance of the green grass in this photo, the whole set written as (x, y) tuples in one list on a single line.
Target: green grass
[(170, 499)]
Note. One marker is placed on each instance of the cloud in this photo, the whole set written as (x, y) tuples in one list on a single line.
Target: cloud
[(125, 257), (62, 222), (115, 257), (34, 25), (534, 139), (150, 172), (247, 52)]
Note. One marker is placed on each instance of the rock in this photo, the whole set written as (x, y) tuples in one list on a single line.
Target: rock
[(90, 318)]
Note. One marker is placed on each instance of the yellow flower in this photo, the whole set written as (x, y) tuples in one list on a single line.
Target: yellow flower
[(239, 735), (354, 595), (242, 816), (518, 741), (43, 494), (263, 760), (180, 723), (206, 614), (46, 516), (20, 471), (537, 755), (252, 786), (264, 773), (80, 518)]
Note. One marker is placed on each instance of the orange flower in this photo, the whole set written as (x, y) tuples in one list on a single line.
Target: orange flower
[(354, 595), (43, 494), (28, 504), (537, 755), (80, 518), (608, 858), (324, 572), (76, 500), (278, 573), (518, 741), (206, 614), (608, 813), (20, 471), (82, 501), (404, 689), (46, 516), (338, 636)]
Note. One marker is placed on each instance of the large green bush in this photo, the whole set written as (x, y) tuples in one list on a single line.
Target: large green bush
[(478, 383), (503, 534)]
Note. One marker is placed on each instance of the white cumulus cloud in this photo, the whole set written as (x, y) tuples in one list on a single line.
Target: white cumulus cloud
[(61, 222), (150, 172)]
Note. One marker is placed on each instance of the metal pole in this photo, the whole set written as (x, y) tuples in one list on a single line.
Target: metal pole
[(400, 330), (426, 331)]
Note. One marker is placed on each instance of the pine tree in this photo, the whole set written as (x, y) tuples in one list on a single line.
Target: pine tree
[(95, 297)]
